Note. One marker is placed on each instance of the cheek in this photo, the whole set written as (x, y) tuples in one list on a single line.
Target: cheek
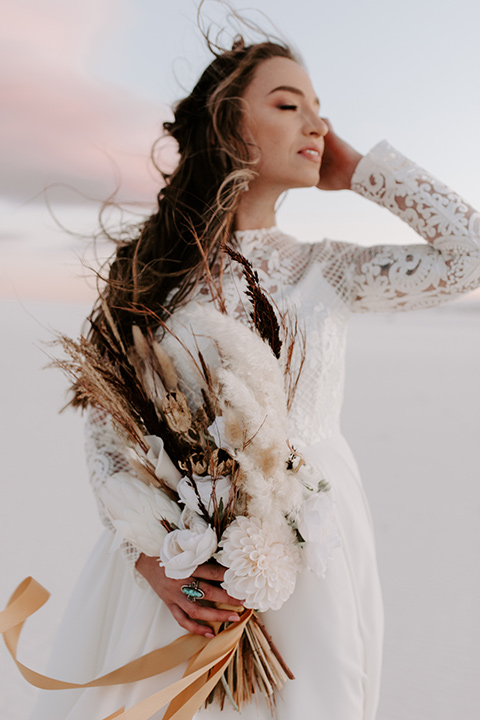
[(272, 145), (253, 137), (262, 134)]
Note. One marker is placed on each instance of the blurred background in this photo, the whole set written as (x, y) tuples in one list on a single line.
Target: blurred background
[(84, 89)]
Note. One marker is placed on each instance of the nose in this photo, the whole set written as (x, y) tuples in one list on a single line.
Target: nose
[(316, 126)]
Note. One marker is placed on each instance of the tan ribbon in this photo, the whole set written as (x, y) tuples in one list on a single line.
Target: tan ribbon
[(208, 660)]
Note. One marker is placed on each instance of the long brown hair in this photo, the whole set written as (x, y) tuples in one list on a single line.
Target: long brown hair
[(157, 270)]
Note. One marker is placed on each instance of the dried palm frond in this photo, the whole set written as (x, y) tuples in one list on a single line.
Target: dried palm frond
[(263, 315)]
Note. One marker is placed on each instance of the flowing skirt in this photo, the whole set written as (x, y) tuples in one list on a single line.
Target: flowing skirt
[(329, 632)]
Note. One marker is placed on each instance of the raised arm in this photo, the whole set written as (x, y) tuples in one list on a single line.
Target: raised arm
[(401, 277), (406, 277)]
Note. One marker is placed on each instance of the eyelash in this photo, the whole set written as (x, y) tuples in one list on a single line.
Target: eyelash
[(288, 107)]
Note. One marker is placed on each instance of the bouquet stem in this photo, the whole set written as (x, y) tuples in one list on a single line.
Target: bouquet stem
[(256, 666)]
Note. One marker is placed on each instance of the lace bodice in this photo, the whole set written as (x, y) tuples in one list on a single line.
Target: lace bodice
[(323, 282)]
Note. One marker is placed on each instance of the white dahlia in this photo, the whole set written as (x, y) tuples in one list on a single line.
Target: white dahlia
[(262, 562)]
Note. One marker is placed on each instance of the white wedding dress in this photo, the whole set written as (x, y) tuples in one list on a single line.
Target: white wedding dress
[(329, 631)]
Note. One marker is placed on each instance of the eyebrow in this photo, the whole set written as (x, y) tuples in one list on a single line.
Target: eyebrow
[(294, 90)]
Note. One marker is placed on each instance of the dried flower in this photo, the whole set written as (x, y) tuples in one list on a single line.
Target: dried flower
[(177, 412)]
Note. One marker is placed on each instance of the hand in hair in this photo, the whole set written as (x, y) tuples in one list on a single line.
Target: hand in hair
[(193, 616), (338, 163)]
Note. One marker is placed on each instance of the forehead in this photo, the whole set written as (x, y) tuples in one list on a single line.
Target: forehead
[(278, 72)]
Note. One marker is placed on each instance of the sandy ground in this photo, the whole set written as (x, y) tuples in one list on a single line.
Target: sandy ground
[(412, 417)]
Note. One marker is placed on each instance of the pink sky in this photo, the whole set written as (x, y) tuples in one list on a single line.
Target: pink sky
[(57, 122), (60, 124)]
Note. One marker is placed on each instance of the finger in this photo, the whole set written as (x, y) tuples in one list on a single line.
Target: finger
[(210, 571), (328, 124), (218, 595), (186, 622), (198, 612)]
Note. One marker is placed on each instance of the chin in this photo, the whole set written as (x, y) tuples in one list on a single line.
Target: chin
[(306, 183), (310, 179)]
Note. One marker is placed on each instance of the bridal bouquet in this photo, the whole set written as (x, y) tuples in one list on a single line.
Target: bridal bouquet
[(213, 476)]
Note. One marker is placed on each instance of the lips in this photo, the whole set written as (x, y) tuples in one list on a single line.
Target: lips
[(311, 153)]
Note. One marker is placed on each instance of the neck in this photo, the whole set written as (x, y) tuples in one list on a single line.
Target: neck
[(256, 208)]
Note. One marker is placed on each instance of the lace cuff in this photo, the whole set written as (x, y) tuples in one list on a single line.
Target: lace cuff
[(106, 456)]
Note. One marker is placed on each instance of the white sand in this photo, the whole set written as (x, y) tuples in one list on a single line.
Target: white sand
[(412, 417)]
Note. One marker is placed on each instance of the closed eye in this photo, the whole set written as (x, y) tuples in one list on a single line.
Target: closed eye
[(288, 107)]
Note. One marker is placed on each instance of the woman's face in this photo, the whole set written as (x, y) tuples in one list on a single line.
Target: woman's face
[(281, 120)]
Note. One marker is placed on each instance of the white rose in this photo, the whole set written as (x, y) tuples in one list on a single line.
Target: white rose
[(184, 550), (206, 488), (317, 525), (136, 511), (164, 467)]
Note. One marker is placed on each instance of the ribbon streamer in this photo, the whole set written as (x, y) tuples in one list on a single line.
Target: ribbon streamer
[(208, 660)]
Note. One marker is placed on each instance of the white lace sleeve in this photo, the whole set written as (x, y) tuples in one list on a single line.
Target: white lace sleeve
[(106, 456), (406, 277)]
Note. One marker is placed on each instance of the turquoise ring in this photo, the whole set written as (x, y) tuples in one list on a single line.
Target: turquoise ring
[(192, 591)]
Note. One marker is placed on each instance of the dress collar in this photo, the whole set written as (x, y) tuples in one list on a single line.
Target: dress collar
[(258, 237)]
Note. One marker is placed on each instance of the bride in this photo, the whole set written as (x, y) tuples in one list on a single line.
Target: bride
[(250, 130)]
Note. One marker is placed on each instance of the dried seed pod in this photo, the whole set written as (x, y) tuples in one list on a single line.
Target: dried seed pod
[(177, 413), (220, 464), (199, 464)]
